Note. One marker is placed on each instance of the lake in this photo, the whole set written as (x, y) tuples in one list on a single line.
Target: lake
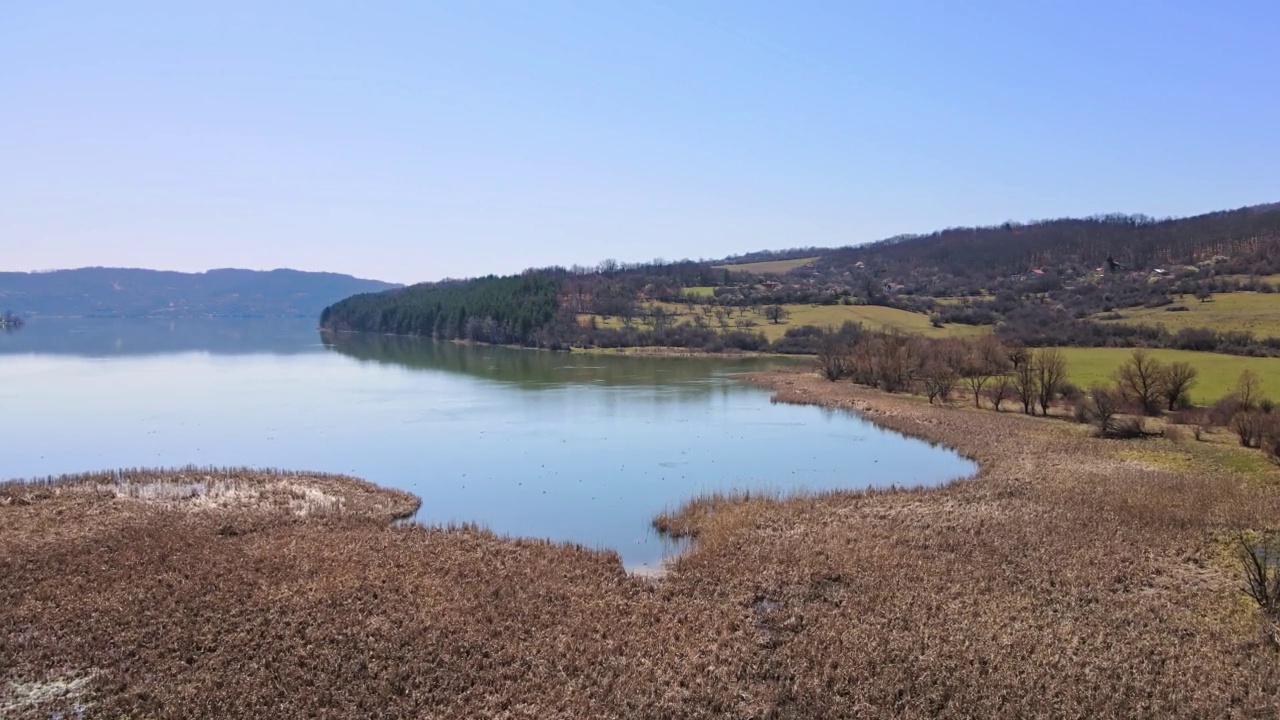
[(577, 447)]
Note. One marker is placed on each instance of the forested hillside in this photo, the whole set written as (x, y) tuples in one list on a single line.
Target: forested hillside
[(129, 292), (1248, 239), (506, 310), (1051, 283)]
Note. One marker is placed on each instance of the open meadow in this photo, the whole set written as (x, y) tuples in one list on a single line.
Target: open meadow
[(1217, 372), (1258, 313), (768, 266), (874, 317), (1072, 577), (700, 291)]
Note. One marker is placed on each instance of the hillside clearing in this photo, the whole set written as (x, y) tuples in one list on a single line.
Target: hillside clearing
[(1258, 313), (961, 299), (699, 291), (874, 317), (769, 266)]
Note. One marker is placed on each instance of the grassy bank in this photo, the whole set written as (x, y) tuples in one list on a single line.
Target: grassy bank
[(1073, 577)]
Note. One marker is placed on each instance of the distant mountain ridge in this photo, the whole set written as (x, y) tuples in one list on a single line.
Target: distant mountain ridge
[(133, 292)]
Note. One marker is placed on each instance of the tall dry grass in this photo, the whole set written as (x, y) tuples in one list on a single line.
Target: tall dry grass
[(1073, 577)]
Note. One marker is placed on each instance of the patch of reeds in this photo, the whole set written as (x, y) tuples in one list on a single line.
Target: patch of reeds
[(222, 489), (1072, 577)]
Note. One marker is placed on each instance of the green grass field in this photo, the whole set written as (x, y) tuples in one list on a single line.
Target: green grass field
[(1218, 373), (873, 317), (1270, 279), (700, 291), (1258, 313), (772, 266), (959, 300)]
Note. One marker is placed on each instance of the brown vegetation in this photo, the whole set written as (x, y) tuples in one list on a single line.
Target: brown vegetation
[(1069, 579), (934, 367)]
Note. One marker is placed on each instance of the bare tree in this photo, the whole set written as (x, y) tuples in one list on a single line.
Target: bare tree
[(776, 314), (1050, 372), (1179, 378), (983, 359), (1016, 354), (863, 361), (1141, 379), (1001, 389), (1262, 576), (895, 360), (834, 357), (938, 378), (975, 377), (1104, 404), (659, 318), (1248, 392), (1250, 426), (1024, 383)]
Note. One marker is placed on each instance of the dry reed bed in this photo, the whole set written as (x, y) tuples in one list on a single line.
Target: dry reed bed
[(1065, 581)]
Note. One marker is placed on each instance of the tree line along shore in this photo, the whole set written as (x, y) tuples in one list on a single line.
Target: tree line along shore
[(998, 375)]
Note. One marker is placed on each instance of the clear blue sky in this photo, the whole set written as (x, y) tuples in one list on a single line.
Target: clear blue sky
[(417, 140)]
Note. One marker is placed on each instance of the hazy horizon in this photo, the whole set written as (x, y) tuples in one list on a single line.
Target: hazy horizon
[(507, 272), (407, 143)]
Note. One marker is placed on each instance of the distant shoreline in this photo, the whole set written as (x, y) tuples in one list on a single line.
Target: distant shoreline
[(628, 351)]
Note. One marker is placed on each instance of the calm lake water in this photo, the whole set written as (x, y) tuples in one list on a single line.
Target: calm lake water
[(578, 447)]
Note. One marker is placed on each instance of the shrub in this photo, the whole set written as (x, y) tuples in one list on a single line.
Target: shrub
[(1070, 392), (1128, 429), (1250, 426), (1262, 577), (1221, 412), (1080, 412), (1188, 416), (1103, 408)]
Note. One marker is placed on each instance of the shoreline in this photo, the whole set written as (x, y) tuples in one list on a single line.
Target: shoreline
[(627, 351), (1065, 563)]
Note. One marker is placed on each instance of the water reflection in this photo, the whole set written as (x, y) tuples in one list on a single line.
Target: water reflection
[(574, 447), (109, 337), (540, 369)]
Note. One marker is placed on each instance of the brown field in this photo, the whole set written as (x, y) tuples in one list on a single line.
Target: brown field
[(768, 266), (1073, 577)]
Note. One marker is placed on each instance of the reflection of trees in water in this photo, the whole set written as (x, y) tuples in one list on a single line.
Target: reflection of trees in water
[(104, 337), (535, 368), (10, 322)]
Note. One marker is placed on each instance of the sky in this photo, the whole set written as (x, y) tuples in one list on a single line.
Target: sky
[(416, 141)]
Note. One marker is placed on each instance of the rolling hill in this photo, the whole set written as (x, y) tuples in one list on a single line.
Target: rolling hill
[(130, 292)]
